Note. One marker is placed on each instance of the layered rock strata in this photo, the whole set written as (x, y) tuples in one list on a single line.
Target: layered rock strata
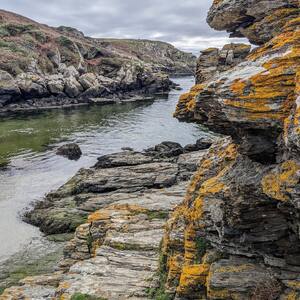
[(119, 209), (236, 235), (212, 61)]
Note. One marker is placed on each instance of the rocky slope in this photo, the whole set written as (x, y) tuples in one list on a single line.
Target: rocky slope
[(42, 66), (236, 235), (120, 207)]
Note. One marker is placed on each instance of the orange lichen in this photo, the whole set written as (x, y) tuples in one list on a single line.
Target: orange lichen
[(238, 86), (277, 183), (234, 269), (192, 277), (99, 215), (291, 296), (187, 101), (294, 284)]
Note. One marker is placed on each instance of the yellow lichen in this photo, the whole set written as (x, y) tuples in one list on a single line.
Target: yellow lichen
[(291, 296), (276, 183), (187, 101), (294, 284), (192, 276), (234, 269)]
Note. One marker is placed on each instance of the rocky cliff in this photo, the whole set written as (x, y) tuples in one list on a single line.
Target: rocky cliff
[(236, 236), (62, 66)]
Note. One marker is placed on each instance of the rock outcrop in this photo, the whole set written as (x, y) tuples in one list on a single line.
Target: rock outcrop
[(236, 235), (120, 207), (43, 67), (257, 20), (213, 61)]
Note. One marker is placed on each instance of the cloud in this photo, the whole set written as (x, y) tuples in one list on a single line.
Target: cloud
[(182, 23)]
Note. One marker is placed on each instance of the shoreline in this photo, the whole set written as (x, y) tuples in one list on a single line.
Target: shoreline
[(142, 196), (163, 107)]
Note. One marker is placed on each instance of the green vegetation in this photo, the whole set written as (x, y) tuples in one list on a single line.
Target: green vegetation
[(79, 296), (89, 242), (17, 270), (157, 215), (38, 35), (123, 247), (64, 41), (160, 293), (60, 237), (10, 46), (15, 29), (201, 245), (3, 32)]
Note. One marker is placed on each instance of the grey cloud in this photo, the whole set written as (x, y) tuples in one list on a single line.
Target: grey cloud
[(181, 22)]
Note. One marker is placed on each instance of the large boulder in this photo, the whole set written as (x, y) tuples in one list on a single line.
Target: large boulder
[(32, 85), (257, 20), (72, 87), (88, 80), (55, 84), (9, 89)]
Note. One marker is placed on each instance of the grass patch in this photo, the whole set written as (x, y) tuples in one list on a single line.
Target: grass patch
[(65, 42), (160, 293), (79, 296), (202, 246), (124, 247), (60, 237), (3, 32), (15, 29), (11, 46), (162, 215)]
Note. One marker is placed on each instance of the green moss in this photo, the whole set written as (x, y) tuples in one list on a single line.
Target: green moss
[(79, 296), (157, 215), (160, 293), (3, 32), (89, 242), (123, 247), (16, 270), (65, 42), (38, 35), (202, 246), (2, 290), (10, 46), (15, 29), (60, 238)]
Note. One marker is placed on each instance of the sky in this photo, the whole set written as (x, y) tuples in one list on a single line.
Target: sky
[(180, 22)]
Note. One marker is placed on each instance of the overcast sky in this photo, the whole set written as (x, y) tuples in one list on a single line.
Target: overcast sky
[(180, 22)]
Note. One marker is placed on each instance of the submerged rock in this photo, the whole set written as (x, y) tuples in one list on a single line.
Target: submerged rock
[(71, 151)]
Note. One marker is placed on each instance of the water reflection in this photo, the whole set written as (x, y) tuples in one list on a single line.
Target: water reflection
[(29, 141)]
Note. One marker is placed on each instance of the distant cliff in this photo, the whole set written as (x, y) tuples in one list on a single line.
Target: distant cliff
[(38, 61)]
